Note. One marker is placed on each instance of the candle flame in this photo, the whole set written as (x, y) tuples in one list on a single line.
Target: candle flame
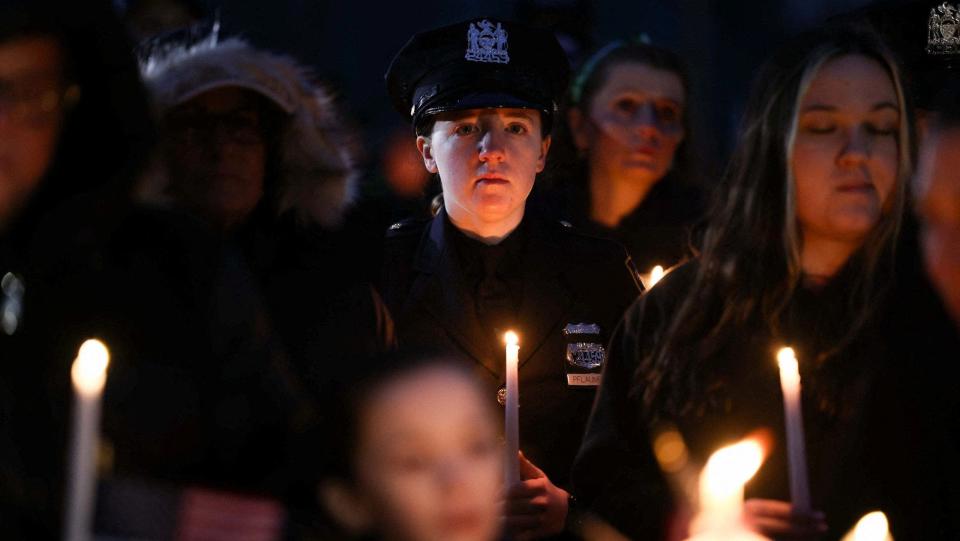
[(89, 370), (872, 527), (511, 338), (789, 367), (729, 468), (655, 275), (786, 355)]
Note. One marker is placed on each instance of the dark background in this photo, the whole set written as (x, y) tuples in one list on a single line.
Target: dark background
[(351, 42)]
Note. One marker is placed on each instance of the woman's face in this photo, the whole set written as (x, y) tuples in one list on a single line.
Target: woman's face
[(31, 93), (633, 124), (216, 154), (846, 153), (429, 467), (488, 160)]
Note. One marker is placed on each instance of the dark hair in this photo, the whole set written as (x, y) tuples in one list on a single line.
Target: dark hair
[(590, 78), (595, 70), (749, 266), (946, 104)]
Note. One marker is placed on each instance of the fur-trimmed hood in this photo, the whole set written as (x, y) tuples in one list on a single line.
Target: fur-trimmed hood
[(318, 175)]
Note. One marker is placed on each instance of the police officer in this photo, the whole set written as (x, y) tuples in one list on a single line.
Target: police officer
[(482, 95)]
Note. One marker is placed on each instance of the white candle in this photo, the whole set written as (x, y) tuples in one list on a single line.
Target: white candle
[(511, 406), (89, 374), (793, 422)]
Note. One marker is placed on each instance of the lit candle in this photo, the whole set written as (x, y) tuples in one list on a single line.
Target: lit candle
[(721, 492), (872, 527), (512, 403), (793, 422), (89, 374), (655, 275)]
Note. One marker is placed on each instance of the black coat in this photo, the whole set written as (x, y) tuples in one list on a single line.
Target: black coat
[(566, 278), (878, 428)]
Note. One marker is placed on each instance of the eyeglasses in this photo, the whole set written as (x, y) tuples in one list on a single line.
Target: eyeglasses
[(239, 127), (34, 101)]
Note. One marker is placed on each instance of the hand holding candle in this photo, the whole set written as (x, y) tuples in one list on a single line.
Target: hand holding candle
[(793, 423), (89, 374), (511, 406)]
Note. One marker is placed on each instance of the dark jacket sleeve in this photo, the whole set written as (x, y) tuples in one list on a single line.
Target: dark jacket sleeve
[(615, 475)]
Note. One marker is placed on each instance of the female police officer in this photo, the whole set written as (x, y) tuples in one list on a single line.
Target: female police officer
[(481, 95)]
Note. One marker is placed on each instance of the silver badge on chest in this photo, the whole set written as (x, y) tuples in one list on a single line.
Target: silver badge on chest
[(585, 354), (487, 43)]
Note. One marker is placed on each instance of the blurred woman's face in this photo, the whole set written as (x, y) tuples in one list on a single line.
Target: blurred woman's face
[(429, 467), (633, 124), (846, 152), (216, 155), (31, 98)]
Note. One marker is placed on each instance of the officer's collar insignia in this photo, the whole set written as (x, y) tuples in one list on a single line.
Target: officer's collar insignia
[(581, 328), (943, 30), (487, 43)]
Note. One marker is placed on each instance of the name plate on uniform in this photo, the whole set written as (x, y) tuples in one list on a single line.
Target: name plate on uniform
[(584, 380)]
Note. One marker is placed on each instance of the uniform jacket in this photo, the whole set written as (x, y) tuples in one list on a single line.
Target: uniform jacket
[(879, 429), (567, 278)]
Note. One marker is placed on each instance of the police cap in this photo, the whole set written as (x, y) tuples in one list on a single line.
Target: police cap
[(480, 63)]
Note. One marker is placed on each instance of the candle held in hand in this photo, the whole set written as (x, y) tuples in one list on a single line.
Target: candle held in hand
[(793, 424), (89, 375), (511, 409)]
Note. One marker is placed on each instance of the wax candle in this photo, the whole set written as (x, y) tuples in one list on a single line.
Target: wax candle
[(793, 422), (89, 374), (512, 404)]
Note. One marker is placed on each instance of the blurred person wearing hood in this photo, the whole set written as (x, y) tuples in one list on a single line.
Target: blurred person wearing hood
[(194, 393), (257, 150)]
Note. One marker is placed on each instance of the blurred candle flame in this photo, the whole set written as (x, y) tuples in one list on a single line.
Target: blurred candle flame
[(729, 468), (89, 370), (655, 276), (871, 527)]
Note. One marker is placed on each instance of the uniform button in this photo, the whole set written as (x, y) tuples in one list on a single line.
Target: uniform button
[(502, 396)]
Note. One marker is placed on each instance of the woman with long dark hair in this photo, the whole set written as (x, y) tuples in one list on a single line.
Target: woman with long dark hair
[(799, 251)]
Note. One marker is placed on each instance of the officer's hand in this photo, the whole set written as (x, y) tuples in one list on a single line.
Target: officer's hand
[(535, 507), (776, 519)]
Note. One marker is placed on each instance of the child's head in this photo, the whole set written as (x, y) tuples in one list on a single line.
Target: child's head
[(417, 455)]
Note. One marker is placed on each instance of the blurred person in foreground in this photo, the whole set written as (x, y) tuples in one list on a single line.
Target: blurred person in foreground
[(418, 457)]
